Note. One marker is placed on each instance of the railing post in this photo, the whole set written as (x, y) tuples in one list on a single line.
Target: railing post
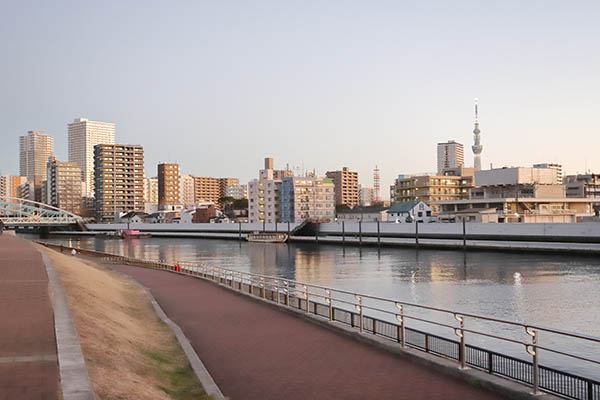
[(330, 304), (277, 290), (262, 287), (533, 350), (251, 286), (343, 233), (240, 231), (401, 330), (359, 308), (287, 293), (307, 301), (460, 332), (378, 235), (490, 363)]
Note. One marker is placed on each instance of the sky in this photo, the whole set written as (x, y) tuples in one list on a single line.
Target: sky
[(219, 85)]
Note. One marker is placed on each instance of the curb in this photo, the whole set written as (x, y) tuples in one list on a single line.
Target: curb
[(210, 387), (74, 378)]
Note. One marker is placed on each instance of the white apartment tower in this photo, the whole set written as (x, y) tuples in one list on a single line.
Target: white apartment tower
[(263, 196), (450, 154), (35, 149), (83, 136)]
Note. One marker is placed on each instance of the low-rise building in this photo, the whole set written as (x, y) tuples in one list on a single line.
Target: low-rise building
[(430, 188), (522, 209), (583, 185), (410, 212), (364, 214)]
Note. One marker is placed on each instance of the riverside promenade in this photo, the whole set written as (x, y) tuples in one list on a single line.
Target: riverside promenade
[(256, 352), (28, 358)]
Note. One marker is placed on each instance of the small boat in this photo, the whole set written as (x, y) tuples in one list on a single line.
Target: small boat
[(131, 234), (266, 237)]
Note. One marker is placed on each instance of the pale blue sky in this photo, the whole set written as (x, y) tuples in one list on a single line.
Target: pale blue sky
[(219, 85)]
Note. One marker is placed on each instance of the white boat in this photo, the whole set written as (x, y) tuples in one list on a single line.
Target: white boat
[(267, 237)]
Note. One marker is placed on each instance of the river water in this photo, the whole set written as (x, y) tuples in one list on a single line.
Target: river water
[(552, 290)]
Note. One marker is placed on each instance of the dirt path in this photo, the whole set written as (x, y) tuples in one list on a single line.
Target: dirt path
[(256, 352)]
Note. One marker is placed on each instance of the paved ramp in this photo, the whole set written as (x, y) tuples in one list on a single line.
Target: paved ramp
[(255, 352), (28, 361)]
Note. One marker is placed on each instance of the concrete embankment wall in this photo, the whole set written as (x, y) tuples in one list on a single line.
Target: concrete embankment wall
[(581, 238)]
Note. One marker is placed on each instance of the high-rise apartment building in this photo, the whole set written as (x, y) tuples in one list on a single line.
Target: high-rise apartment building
[(346, 186), (118, 179), (212, 189), (450, 154), (151, 190), (206, 189), (34, 150), (557, 167), (186, 190), (9, 185), (263, 196), (168, 184), (63, 185), (83, 136), (305, 198)]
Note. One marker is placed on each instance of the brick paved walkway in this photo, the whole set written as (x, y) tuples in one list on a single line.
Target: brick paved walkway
[(28, 362), (256, 352)]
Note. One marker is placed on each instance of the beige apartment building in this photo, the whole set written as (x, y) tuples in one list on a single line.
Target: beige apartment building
[(83, 136), (63, 185), (168, 185), (346, 186), (212, 189), (34, 150), (186, 190), (151, 190), (430, 188), (118, 180), (9, 185)]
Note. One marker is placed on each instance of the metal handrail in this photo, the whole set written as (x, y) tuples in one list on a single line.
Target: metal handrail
[(306, 292)]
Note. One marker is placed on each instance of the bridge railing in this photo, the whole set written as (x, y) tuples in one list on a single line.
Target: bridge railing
[(405, 323)]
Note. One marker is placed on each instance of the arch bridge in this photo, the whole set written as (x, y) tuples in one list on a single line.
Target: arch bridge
[(21, 213)]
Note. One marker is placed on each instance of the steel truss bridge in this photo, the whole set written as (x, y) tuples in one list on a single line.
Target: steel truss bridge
[(21, 213)]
